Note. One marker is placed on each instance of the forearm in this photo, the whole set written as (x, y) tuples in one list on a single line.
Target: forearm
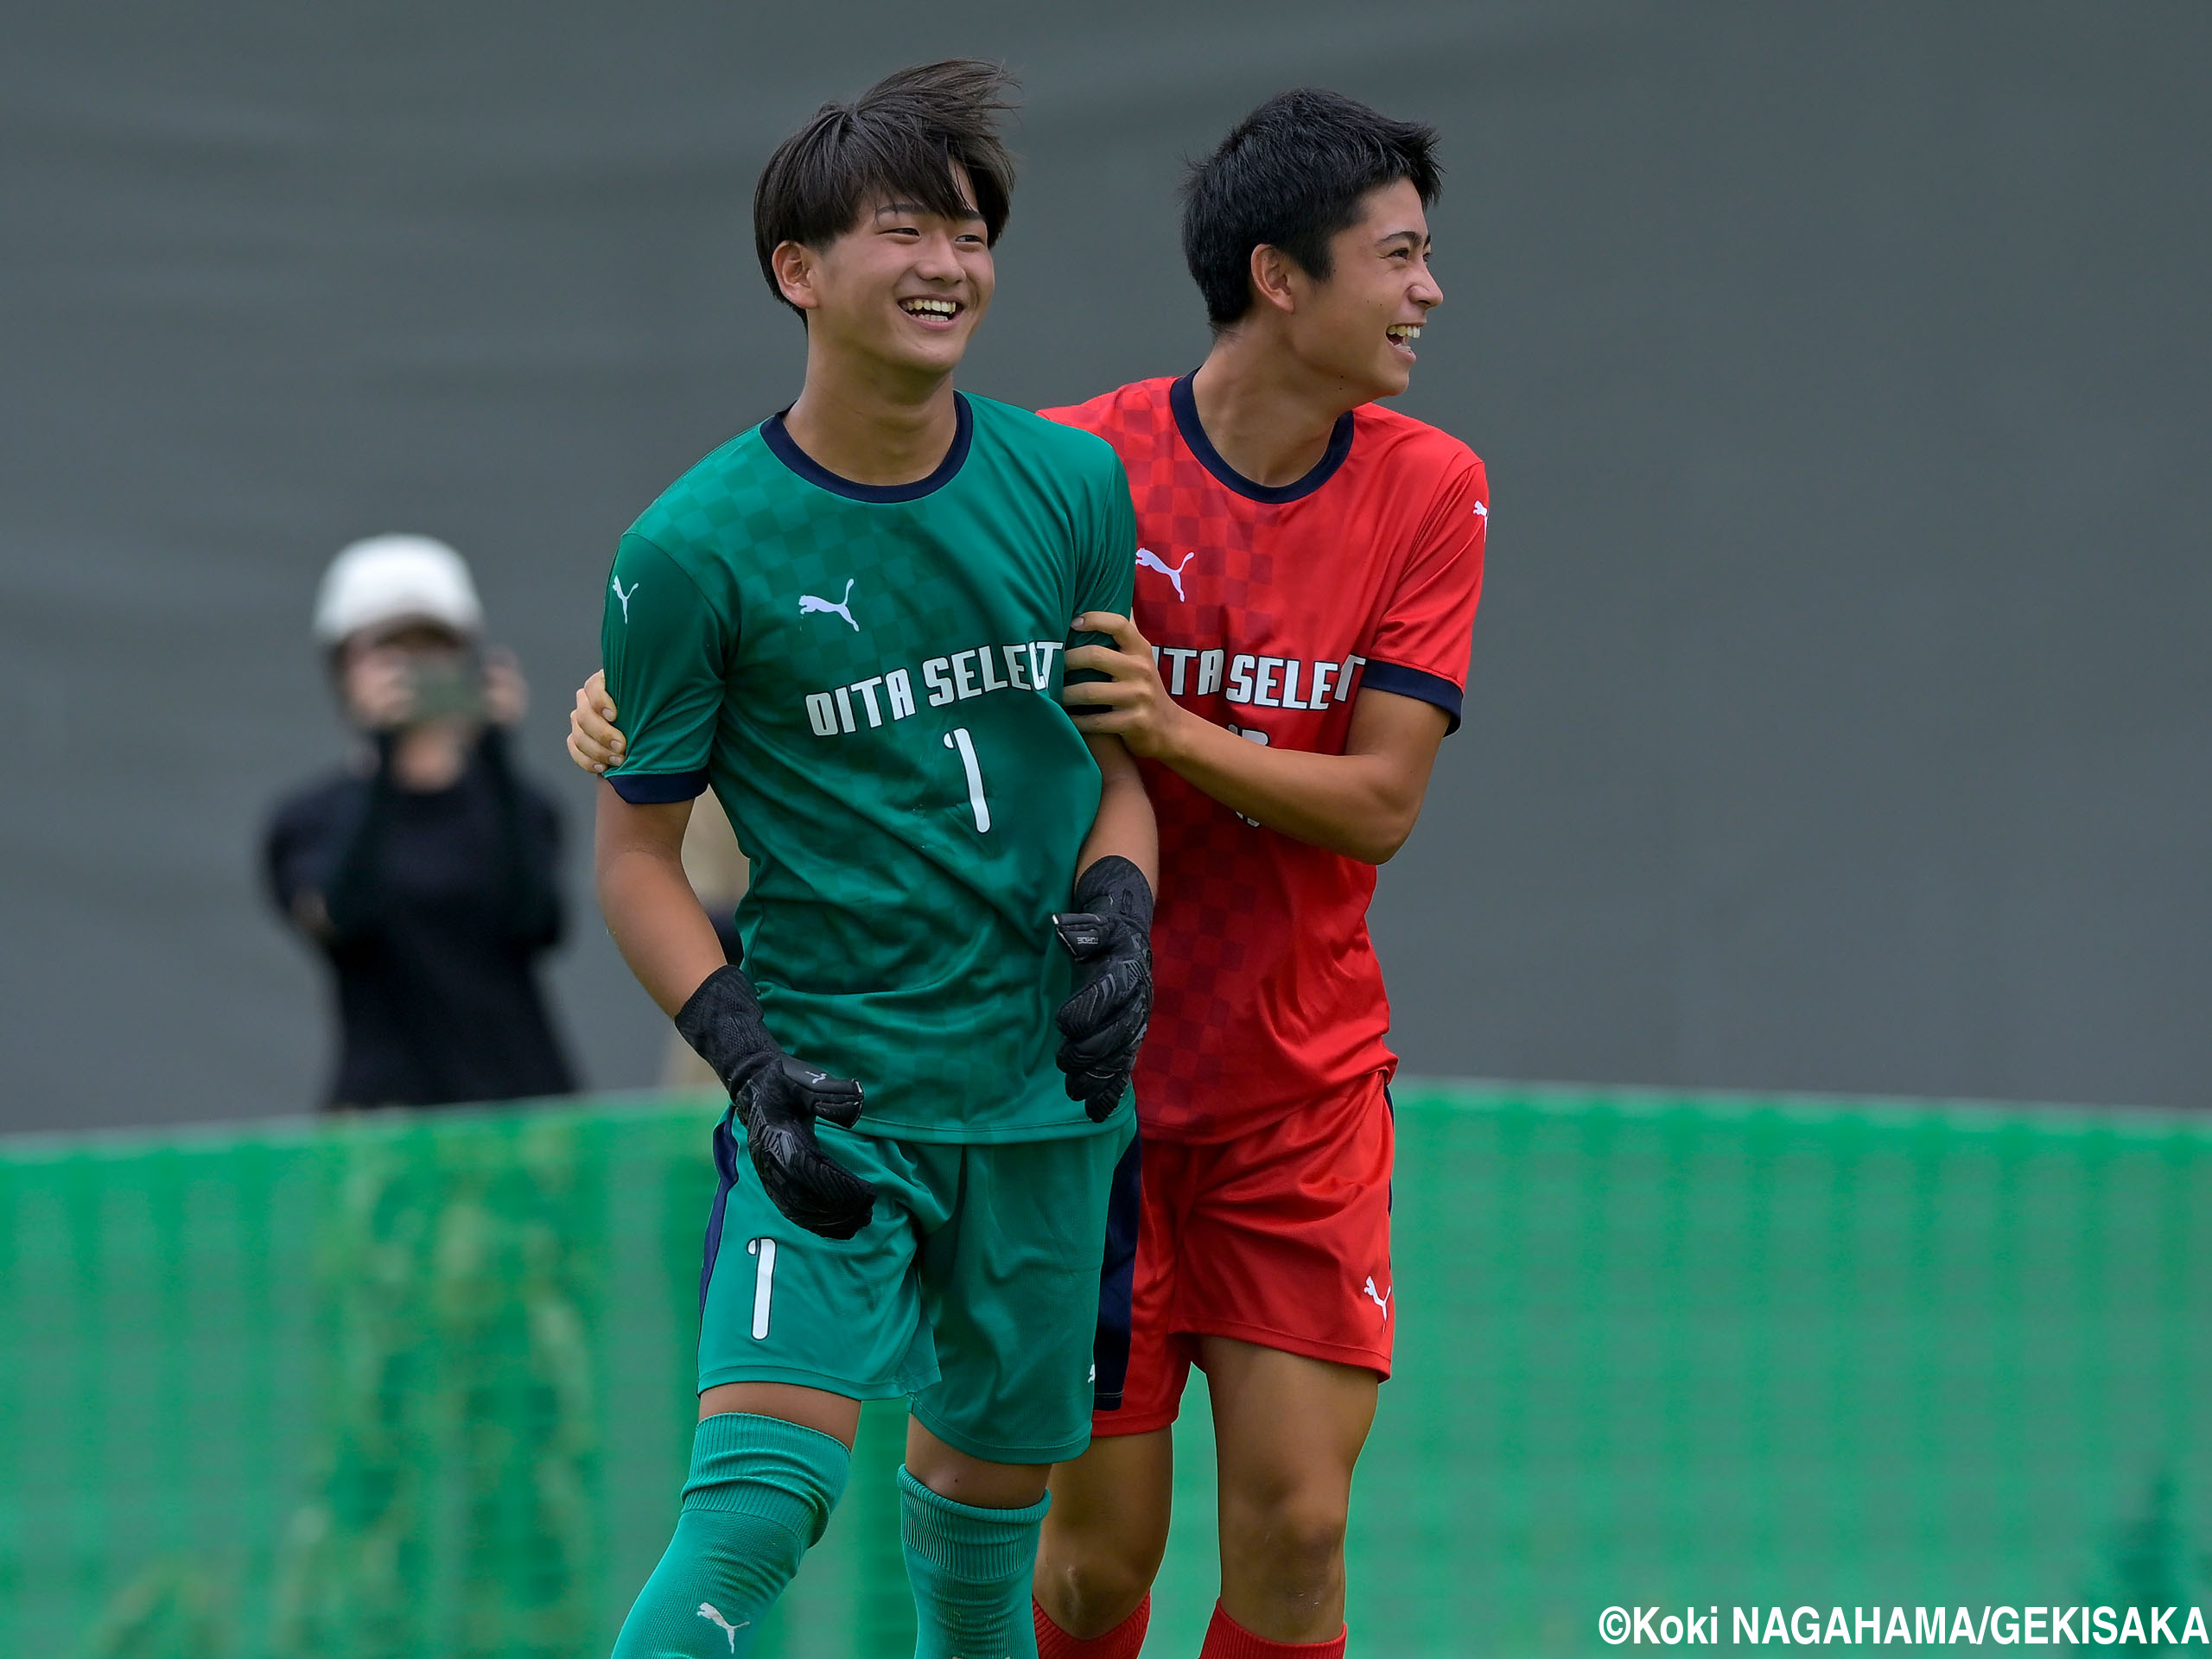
[(531, 890), (349, 900), (651, 910), (670, 945), (1361, 805), (1125, 827)]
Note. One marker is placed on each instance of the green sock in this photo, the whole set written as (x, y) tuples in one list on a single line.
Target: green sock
[(760, 1493), (970, 1569)]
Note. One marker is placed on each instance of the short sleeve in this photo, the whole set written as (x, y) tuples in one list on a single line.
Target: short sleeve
[(1106, 564), (1421, 649), (664, 648)]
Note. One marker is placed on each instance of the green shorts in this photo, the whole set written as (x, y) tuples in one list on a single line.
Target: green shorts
[(973, 1289)]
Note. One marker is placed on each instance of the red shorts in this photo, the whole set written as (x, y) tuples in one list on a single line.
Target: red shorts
[(1281, 1237)]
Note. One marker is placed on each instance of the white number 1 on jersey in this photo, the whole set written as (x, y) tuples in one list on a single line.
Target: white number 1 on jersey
[(764, 1284), (957, 738)]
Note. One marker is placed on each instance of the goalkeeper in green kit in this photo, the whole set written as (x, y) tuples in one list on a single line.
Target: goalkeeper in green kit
[(851, 623)]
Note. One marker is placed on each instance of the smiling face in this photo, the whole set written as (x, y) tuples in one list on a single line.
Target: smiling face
[(1360, 324), (903, 289)]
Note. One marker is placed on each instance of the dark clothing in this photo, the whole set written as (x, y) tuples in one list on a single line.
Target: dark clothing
[(439, 905)]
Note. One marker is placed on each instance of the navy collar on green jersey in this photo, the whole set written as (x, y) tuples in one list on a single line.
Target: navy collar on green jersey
[(1180, 398), (778, 440)]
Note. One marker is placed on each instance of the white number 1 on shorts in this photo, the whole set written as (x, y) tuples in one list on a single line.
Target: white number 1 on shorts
[(764, 1285), (957, 738)]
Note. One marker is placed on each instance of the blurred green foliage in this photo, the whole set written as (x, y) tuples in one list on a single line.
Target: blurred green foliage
[(460, 1423), (418, 1386)]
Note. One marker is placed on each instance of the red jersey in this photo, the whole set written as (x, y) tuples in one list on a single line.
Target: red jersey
[(1268, 609)]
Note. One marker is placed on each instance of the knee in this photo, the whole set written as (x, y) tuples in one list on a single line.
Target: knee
[(1107, 1591), (769, 1469), (1090, 1582), (1294, 1541), (1089, 1602)]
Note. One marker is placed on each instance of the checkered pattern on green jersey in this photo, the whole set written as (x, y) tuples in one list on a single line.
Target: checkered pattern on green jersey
[(868, 680)]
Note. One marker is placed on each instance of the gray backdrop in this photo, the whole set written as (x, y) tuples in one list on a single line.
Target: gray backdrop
[(1840, 716)]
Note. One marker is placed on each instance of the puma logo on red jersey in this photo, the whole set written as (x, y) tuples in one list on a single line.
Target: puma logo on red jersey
[(1148, 560)]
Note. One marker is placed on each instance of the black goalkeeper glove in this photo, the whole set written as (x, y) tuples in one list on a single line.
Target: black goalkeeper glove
[(777, 1098), (1104, 1019)]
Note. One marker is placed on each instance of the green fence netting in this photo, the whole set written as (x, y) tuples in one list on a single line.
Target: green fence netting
[(419, 1385)]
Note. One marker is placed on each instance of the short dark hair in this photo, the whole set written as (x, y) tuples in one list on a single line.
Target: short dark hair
[(1291, 176), (901, 138)]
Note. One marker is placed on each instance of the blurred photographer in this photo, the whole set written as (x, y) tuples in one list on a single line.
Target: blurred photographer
[(425, 870)]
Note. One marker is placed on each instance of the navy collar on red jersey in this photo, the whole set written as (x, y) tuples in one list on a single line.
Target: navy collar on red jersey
[(1185, 406), (778, 440)]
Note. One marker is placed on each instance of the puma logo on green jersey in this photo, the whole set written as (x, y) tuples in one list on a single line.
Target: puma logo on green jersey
[(809, 605)]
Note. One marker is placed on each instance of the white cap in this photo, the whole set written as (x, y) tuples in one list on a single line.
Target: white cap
[(387, 578)]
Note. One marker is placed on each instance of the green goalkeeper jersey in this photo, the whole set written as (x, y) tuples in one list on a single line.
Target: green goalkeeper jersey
[(868, 676)]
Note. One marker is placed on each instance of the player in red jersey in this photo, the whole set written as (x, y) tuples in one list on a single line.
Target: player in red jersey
[(1308, 568)]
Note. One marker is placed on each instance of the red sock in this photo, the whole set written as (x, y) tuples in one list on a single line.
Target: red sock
[(1120, 1643), (1227, 1639)]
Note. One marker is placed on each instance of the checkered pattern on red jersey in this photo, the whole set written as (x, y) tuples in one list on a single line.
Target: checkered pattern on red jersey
[(1269, 614)]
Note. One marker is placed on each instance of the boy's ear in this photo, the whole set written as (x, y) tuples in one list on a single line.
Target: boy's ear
[(795, 264), (1271, 271)]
